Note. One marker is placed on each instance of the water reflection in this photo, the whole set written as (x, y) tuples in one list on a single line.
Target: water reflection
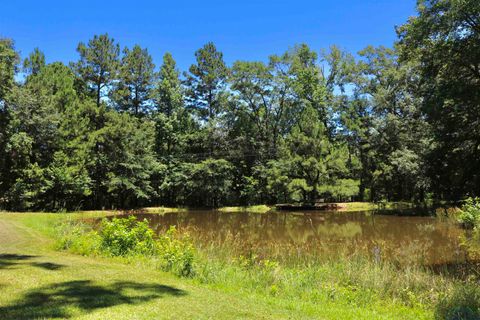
[(425, 240)]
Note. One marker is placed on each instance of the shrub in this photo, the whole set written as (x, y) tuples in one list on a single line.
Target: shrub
[(176, 253), (120, 237), (470, 213), (127, 237)]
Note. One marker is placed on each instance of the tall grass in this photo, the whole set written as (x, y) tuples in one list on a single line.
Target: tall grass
[(354, 278)]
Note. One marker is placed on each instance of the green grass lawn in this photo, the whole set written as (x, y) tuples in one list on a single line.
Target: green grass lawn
[(38, 282)]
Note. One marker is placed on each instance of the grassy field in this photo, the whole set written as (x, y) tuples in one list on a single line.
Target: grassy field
[(37, 281)]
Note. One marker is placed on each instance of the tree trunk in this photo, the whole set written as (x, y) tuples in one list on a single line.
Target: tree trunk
[(99, 87)]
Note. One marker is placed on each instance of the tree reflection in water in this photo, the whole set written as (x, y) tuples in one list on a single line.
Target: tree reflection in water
[(284, 235)]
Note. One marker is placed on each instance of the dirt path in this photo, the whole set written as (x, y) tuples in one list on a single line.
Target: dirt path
[(16, 237), (8, 235)]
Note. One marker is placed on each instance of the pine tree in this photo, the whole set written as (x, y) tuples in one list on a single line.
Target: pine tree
[(98, 64), (206, 82), (133, 90)]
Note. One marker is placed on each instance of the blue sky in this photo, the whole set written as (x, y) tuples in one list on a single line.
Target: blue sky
[(242, 30)]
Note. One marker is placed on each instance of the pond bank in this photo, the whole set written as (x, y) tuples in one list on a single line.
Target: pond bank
[(334, 206), (263, 208)]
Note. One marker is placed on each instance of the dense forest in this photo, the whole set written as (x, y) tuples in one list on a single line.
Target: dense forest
[(113, 130)]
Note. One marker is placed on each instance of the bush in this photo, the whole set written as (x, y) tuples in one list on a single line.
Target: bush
[(176, 253), (470, 213), (121, 237), (128, 237)]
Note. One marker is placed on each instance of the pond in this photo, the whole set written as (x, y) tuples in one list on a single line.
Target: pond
[(296, 235)]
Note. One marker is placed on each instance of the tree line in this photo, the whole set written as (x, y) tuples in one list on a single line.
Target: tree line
[(113, 130)]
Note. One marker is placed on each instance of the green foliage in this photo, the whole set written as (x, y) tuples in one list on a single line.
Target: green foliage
[(315, 166), (443, 43), (35, 62), (121, 237), (55, 85), (470, 213), (206, 81), (67, 181), (176, 253), (8, 64), (209, 182), (127, 158), (98, 64), (168, 94), (29, 188), (173, 178), (127, 237), (276, 180), (133, 91), (383, 124)]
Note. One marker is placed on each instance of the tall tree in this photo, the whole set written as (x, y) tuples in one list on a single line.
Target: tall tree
[(168, 92), (33, 141), (8, 65), (206, 82), (173, 125), (308, 82), (136, 74), (266, 95), (443, 42), (128, 158), (98, 64), (254, 112), (314, 165)]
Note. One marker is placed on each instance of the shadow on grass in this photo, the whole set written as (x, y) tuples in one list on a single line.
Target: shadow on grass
[(7, 260), (60, 300), (47, 265), (14, 260)]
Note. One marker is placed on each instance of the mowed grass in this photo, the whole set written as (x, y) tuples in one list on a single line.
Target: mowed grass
[(38, 282)]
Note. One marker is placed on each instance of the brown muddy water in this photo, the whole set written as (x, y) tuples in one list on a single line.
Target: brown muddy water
[(424, 240)]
